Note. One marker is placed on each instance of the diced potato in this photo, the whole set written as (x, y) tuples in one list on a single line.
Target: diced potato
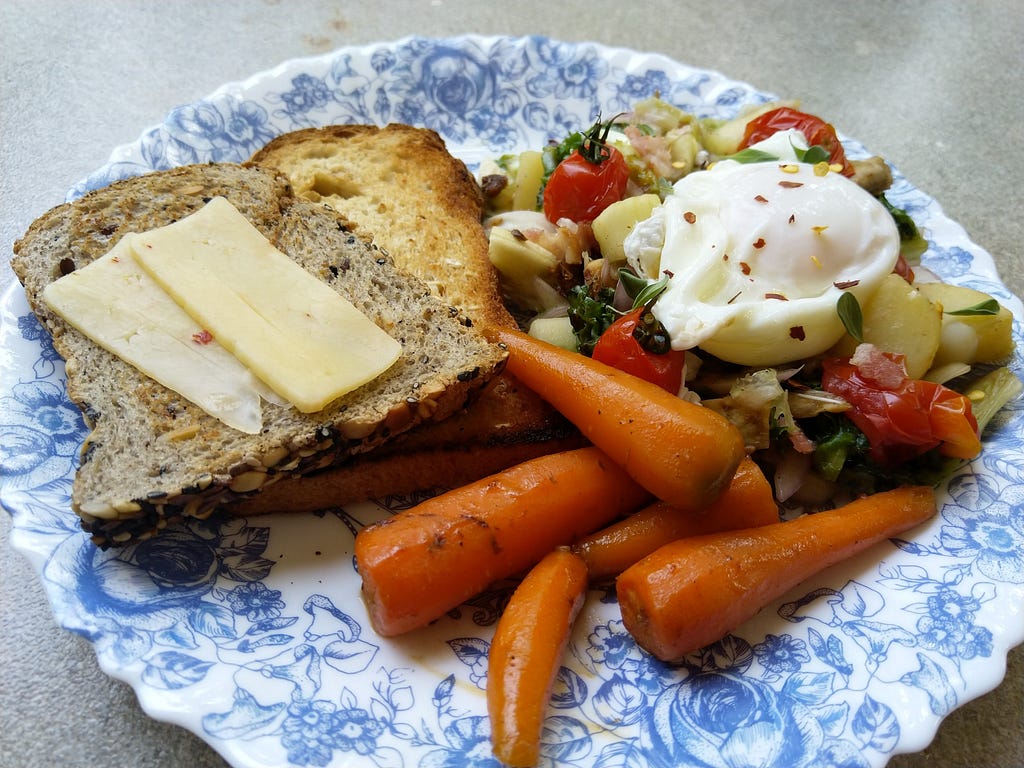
[(616, 221), (969, 338), (529, 178), (900, 318), (526, 270), (724, 138), (554, 330)]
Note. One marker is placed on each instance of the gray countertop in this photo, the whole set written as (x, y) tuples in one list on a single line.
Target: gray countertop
[(933, 87)]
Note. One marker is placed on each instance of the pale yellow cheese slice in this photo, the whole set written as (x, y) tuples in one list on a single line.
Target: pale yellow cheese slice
[(121, 308), (302, 339)]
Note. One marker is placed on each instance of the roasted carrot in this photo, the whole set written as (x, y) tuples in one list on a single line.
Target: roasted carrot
[(693, 591), (683, 453), (747, 502), (526, 651), (424, 561)]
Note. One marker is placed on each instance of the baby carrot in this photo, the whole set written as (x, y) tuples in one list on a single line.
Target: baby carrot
[(693, 591), (681, 452), (525, 654), (747, 502), (419, 564)]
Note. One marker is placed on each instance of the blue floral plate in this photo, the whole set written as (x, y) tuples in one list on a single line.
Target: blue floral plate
[(252, 633)]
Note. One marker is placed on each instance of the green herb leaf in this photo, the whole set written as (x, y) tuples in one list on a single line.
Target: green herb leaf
[(848, 309), (987, 307), (750, 155), (912, 242), (650, 292), (813, 155), (631, 282)]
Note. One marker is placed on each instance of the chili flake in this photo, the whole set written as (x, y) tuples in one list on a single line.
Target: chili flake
[(792, 218), (759, 243), (842, 285), (791, 184), (778, 296), (202, 337), (797, 332), (689, 217), (760, 199), (744, 268)]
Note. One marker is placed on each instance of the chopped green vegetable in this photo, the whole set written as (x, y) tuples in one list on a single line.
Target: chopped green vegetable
[(836, 441), (813, 155), (590, 316), (750, 155)]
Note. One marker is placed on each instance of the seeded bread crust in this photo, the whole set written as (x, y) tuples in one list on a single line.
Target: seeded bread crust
[(153, 457), (402, 189)]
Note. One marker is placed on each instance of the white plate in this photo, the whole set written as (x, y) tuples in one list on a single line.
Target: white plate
[(253, 636)]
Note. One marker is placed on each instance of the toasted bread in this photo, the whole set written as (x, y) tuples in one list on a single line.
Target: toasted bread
[(152, 456), (404, 191)]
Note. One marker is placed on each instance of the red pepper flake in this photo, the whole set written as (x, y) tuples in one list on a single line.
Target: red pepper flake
[(761, 199), (689, 217), (202, 337), (759, 243), (116, 259), (668, 273), (791, 184), (778, 296), (797, 332), (744, 268), (792, 218), (844, 284)]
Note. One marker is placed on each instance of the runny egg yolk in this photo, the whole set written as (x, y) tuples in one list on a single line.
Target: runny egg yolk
[(758, 255)]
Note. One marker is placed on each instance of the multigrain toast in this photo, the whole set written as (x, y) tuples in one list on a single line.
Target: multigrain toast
[(405, 192), (153, 457)]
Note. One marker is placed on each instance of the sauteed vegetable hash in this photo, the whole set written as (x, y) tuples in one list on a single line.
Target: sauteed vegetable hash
[(748, 264)]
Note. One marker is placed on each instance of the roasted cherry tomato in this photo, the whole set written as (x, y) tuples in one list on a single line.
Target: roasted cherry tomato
[(903, 418), (620, 347), (815, 130), (587, 181)]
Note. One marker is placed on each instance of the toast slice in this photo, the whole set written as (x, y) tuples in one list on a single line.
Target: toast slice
[(405, 192), (152, 457)]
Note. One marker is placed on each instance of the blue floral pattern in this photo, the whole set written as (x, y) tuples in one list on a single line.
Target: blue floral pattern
[(252, 634)]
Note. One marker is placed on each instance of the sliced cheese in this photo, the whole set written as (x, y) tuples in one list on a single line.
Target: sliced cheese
[(116, 304), (293, 331)]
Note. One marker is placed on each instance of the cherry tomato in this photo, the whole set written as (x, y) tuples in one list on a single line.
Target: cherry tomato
[(903, 420), (619, 348), (580, 188), (815, 130)]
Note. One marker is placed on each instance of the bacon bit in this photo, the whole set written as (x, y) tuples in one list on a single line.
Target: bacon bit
[(778, 296), (689, 217), (820, 229), (760, 199), (744, 268), (759, 243), (789, 168), (822, 168), (792, 218), (202, 337), (797, 332), (791, 184), (842, 285)]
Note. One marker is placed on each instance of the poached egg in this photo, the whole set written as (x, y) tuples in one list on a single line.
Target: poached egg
[(757, 256)]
